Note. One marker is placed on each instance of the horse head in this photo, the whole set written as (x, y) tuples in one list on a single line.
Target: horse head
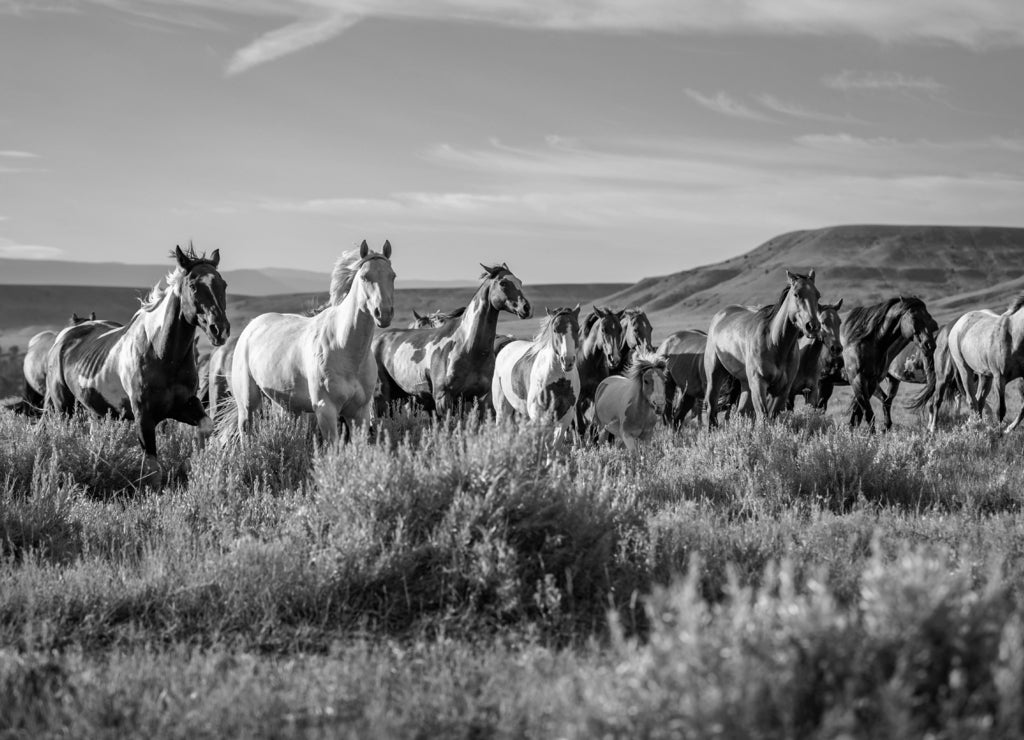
[(419, 321), (563, 330), (603, 328), (648, 369), (917, 325), (505, 291), (802, 304), (828, 314), (375, 279), (203, 294), (637, 331)]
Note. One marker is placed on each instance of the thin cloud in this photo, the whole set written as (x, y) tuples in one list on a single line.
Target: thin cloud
[(795, 110), (727, 105), (29, 251), (16, 154), (849, 80), (968, 23)]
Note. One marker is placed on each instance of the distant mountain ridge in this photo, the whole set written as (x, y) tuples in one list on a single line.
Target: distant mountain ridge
[(859, 263), (253, 282)]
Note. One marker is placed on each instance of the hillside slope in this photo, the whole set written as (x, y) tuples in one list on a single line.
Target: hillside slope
[(859, 263)]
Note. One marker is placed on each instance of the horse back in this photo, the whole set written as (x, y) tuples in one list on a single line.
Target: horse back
[(84, 363)]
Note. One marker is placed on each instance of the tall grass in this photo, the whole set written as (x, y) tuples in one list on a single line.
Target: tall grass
[(783, 581)]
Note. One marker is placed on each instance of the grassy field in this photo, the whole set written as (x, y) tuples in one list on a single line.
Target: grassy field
[(454, 580)]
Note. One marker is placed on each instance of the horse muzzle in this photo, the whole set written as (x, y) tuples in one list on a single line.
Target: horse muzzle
[(218, 332), (382, 316), (523, 310)]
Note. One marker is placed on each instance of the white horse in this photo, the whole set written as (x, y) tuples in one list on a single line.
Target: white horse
[(538, 380), (319, 364), (629, 407)]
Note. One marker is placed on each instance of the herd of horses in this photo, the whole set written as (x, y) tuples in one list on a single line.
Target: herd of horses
[(597, 374)]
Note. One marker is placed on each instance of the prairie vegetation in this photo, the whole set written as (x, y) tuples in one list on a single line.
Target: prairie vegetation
[(465, 580)]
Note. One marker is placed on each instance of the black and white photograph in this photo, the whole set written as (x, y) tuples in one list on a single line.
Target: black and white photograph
[(557, 369)]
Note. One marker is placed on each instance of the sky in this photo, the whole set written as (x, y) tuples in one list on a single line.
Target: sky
[(576, 140)]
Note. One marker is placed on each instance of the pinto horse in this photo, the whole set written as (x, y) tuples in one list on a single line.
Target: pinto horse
[(146, 370), (758, 347), (538, 380), (600, 353), (628, 408), (820, 358), (319, 364), (872, 337), (987, 350), (444, 366)]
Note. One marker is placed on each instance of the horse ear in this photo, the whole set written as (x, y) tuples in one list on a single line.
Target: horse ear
[(415, 314), (75, 318), (387, 248), (505, 265), (791, 277), (810, 275), (576, 310), (839, 304), (92, 316), (181, 258), (548, 311), (364, 249), (215, 258)]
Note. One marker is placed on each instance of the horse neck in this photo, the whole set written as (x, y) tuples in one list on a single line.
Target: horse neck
[(890, 336), (782, 333), (171, 336), (353, 324), (591, 354), (1016, 326), (479, 324)]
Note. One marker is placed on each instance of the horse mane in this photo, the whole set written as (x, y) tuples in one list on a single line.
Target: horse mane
[(344, 272), (171, 283), (592, 318), (454, 314), (865, 321), (1015, 305), (644, 361), (548, 322), (770, 311)]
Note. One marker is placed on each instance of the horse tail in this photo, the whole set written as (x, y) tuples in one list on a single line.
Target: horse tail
[(225, 418), (929, 389)]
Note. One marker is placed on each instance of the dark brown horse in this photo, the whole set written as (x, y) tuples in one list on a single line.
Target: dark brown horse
[(444, 366), (872, 337), (684, 374), (145, 371), (599, 354), (637, 334), (758, 347), (820, 358)]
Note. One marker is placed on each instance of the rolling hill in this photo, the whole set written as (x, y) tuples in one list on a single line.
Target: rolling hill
[(951, 267)]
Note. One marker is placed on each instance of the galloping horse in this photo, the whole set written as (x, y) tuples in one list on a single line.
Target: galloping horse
[(636, 336), (872, 336), (990, 346), (34, 365), (820, 357), (629, 407), (435, 319), (319, 364), (538, 379), (440, 367), (758, 347), (146, 370), (600, 353)]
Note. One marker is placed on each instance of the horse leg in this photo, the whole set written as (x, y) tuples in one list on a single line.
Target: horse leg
[(860, 407), (326, 413), (758, 387), (686, 404), (145, 431), (999, 381), (887, 397), (1020, 414)]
